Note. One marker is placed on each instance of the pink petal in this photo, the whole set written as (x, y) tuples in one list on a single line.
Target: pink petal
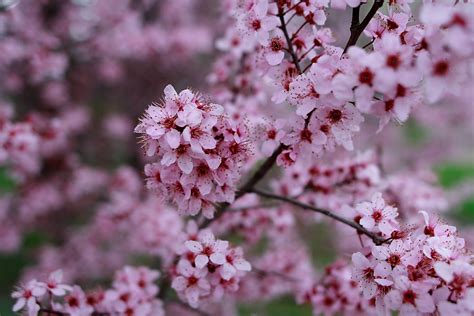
[(185, 163), (242, 265), (360, 261), (207, 141), (173, 138), (217, 258), (193, 246), (170, 93), (201, 261), (228, 271), (367, 222), (20, 303), (274, 58)]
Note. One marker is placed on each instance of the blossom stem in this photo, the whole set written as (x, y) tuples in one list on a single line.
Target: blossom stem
[(291, 18), (361, 230), (307, 52), (369, 43), (293, 7), (298, 30)]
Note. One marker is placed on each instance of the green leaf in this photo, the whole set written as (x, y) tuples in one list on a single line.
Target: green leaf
[(452, 174), (7, 184), (414, 132)]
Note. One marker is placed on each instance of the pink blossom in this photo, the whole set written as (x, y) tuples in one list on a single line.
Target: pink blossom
[(234, 262), (410, 298), (339, 123), (207, 249), (27, 296), (258, 22), (376, 214), (54, 285), (190, 283), (274, 50), (273, 136)]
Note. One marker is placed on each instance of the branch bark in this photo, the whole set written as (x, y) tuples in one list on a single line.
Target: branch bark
[(288, 40), (358, 27), (361, 230)]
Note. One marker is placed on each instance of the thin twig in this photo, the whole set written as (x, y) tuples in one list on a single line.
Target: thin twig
[(291, 8), (361, 230), (288, 40), (369, 43), (298, 30)]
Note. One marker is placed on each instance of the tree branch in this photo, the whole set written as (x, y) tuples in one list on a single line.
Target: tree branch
[(288, 40), (261, 172), (361, 230), (356, 27)]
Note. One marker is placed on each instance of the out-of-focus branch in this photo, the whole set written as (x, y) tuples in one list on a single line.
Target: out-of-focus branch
[(361, 230)]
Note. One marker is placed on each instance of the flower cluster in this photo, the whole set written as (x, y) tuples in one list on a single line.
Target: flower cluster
[(335, 89), (331, 185), (200, 151), (19, 148), (336, 292), (418, 271), (133, 293), (208, 269)]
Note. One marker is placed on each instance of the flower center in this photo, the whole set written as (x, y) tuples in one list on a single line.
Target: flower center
[(401, 91), (271, 134), (256, 25), (192, 280), (393, 61), (168, 122), (409, 297), (369, 274), (335, 116), (394, 260), (276, 44), (389, 104), (73, 302), (366, 77), (441, 68), (305, 135)]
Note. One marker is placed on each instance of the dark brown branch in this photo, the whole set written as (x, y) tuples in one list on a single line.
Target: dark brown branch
[(358, 27), (261, 172), (288, 40), (361, 230), (355, 16)]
